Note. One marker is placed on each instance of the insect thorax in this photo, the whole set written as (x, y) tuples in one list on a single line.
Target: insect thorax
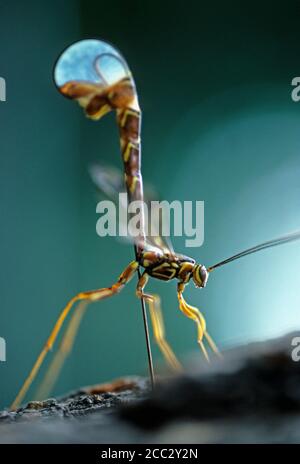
[(166, 267)]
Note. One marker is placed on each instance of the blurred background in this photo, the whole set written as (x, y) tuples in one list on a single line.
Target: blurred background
[(219, 125)]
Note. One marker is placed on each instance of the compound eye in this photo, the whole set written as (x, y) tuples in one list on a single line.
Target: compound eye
[(203, 275), (198, 276)]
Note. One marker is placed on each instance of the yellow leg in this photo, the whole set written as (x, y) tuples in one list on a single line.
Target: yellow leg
[(195, 314), (63, 352), (157, 323), (91, 296)]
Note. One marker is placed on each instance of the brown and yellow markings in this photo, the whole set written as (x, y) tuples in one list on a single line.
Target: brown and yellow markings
[(122, 94), (131, 182), (74, 89), (98, 99), (185, 270), (127, 152), (150, 255), (197, 271), (164, 271), (149, 258), (97, 107), (129, 114), (164, 275), (186, 267), (161, 266)]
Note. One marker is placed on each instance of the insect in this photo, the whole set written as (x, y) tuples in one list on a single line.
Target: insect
[(94, 74)]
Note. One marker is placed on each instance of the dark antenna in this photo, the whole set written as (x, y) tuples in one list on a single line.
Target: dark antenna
[(262, 246)]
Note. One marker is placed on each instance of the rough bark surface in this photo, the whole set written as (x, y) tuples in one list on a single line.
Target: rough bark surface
[(251, 396)]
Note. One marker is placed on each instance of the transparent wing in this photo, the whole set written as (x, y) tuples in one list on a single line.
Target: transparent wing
[(109, 181), (155, 237)]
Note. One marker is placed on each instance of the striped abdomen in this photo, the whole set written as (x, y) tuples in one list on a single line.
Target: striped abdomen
[(97, 100)]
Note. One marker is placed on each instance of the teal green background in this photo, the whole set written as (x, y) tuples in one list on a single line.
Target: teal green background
[(219, 125)]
